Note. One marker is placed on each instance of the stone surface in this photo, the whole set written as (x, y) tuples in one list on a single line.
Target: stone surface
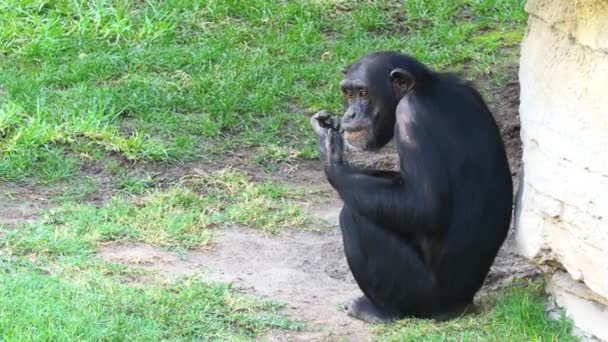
[(580, 304), (562, 206), (581, 20)]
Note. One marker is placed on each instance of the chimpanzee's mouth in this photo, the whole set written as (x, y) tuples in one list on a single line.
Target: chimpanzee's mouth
[(350, 131), (356, 137), (353, 129)]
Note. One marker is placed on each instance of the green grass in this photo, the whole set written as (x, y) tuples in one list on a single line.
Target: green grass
[(182, 216), (174, 80), (516, 314), (53, 288), (90, 304), (135, 185)]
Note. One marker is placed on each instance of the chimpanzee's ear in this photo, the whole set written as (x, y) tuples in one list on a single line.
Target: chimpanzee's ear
[(402, 80)]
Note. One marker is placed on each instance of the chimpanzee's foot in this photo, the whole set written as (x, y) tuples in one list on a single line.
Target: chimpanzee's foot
[(363, 309)]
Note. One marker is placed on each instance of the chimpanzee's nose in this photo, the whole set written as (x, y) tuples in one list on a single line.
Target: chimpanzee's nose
[(352, 113)]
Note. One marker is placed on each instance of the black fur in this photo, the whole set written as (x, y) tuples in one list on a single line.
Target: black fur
[(421, 241)]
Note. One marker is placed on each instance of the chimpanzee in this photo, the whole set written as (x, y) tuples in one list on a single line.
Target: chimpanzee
[(420, 241)]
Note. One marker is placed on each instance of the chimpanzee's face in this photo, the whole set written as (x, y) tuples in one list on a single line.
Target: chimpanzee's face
[(369, 120)]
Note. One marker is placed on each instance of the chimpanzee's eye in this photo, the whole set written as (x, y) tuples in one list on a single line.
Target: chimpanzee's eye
[(363, 94)]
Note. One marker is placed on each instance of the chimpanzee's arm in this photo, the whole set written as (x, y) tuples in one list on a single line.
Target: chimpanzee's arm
[(386, 198)]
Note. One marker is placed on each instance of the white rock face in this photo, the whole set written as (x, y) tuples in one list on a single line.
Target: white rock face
[(581, 304), (562, 207)]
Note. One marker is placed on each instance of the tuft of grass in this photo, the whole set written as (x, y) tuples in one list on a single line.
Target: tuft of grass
[(273, 154), (164, 80), (181, 216), (500, 38), (517, 314), (135, 185), (236, 200), (38, 306)]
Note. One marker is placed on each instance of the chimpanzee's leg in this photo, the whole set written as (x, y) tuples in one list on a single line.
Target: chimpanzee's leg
[(390, 271)]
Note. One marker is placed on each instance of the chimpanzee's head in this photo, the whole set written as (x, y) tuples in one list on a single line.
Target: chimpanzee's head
[(372, 88)]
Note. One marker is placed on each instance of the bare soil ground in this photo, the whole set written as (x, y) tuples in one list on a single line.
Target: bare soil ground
[(21, 204), (306, 270)]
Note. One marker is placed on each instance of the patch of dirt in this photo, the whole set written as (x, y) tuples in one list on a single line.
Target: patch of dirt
[(385, 159), (103, 179), (508, 265), (150, 258), (304, 172), (22, 199), (306, 270), (22, 204), (504, 104)]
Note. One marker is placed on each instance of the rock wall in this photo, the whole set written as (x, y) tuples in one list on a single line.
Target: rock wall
[(562, 206)]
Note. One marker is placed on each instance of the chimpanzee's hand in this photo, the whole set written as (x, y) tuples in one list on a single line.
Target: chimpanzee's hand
[(331, 145)]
